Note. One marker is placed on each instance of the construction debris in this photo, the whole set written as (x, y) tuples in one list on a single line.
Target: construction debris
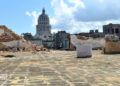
[(96, 43), (112, 44), (7, 35), (8, 56), (111, 38), (9, 41)]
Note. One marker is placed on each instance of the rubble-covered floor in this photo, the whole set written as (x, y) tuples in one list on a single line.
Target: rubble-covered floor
[(60, 68)]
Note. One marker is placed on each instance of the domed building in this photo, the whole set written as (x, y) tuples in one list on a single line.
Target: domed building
[(43, 28), (43, 36)]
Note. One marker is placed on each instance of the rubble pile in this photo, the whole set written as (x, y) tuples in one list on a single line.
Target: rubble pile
[(2, 46), (8, 35), (82, 37), (112, 44), (6, 38), (10, 41), (111, 38)]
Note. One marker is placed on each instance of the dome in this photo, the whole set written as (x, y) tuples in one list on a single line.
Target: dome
[(43, 28), (43, 18)]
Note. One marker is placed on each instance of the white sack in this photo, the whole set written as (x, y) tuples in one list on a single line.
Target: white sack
[(83, 50)]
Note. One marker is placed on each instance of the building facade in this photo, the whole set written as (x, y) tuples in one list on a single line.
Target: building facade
[(62, 40), (27, 36), (112, 29)]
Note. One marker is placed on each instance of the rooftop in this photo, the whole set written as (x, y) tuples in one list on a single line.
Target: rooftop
[(59, 68)]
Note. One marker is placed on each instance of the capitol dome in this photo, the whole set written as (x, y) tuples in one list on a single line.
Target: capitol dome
[(43, 18), (43, 28)]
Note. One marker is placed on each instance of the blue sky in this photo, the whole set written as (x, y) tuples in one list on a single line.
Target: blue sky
[(13, 13), (74, 16)]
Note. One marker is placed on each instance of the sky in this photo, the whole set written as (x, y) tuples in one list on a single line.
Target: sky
[(73, 16)]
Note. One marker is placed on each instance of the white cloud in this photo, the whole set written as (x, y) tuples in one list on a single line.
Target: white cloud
[(63, 8), (99, 10), (76, 16), (34, 15), (53, 21), (64, 18), (55, 30), (27, 13)]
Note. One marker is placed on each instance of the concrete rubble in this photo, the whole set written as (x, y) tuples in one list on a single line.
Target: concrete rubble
[(112, 44), (96, 43), (10, 41)]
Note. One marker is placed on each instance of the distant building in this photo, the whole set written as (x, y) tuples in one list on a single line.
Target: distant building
[(43, 36), (43, 28), (62, 40), (112, 29), (92, 33), (28, 36)]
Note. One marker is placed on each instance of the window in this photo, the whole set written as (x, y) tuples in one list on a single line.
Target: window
[(112, 31), (108, 30), (45, 36), (116, 30)]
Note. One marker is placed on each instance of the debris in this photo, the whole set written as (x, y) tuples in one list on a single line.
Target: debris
[(111, 38), (112, 45), (8, 56), (10, 41)]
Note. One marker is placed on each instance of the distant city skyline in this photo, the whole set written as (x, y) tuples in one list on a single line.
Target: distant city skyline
[(73, 16)]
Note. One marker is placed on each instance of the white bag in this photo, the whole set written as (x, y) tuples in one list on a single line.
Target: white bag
[(84, 50)]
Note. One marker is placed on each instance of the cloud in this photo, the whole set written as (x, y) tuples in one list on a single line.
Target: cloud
[(34, 15), (63, 8), (76, 16), (99, 10), (64, 14)]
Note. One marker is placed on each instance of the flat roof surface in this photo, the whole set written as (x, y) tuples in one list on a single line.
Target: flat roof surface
[(59, 68)]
